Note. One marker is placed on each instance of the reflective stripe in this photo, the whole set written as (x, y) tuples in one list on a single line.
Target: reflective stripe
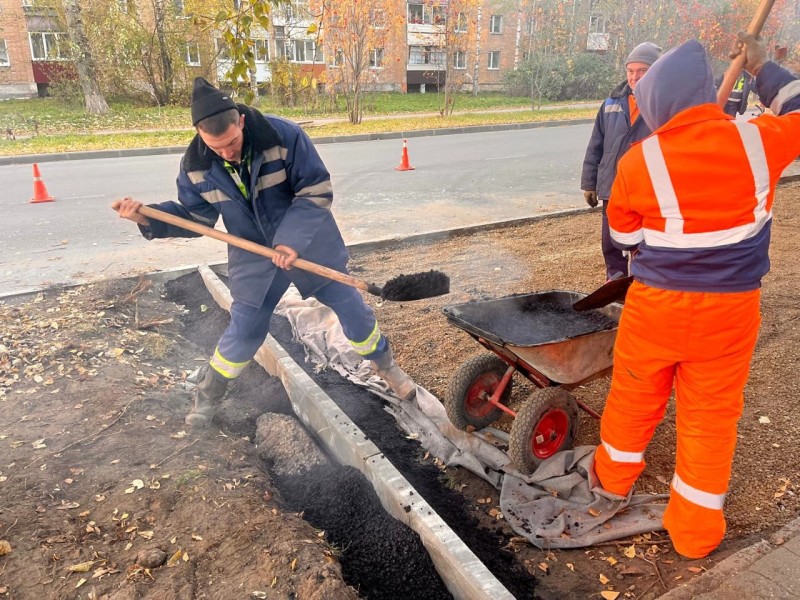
[(662, 185), (320, 194), (609, 108), (275, 153), (673, 236), (623, 457), (270, 180), (202, 219), (215, 196), (695, 496), (226, 368), (757, 157), (627, 239), (369, 345), (196, 176), (787, 92)]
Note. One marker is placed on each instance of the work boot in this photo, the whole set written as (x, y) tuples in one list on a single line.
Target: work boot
[(400, 383), (207, 395)]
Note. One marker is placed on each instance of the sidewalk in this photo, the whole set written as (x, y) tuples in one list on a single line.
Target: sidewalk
[(767, 569)]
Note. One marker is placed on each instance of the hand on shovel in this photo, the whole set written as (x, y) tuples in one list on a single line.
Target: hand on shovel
[(285, 257), (128, 208)]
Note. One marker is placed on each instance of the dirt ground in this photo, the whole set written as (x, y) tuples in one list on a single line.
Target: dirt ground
[(105, 494)]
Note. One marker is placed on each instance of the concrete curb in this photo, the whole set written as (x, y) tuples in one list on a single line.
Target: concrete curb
[(463, 573), (92, 154)]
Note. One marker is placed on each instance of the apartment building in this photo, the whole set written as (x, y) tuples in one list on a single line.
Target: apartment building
[(415, 57)]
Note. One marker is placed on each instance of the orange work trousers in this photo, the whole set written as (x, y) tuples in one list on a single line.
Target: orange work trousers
[(701, 344)]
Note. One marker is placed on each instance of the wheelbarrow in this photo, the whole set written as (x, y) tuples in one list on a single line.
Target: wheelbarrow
[(542, 337)]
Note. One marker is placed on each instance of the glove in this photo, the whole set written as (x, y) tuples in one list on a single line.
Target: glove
[(755, 52), (591, 197)]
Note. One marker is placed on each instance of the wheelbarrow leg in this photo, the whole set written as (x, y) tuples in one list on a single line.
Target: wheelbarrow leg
[(498, 393)]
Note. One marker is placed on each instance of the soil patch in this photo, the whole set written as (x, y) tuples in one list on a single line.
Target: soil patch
[(105, 494)]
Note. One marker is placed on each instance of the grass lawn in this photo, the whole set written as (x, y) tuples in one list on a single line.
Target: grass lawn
[(49, 125)]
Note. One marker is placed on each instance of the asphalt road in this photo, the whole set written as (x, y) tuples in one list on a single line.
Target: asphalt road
[(459, 180)]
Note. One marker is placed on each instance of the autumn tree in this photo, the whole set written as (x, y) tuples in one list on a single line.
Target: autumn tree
[(357, 37), (457, 37), (84, 62)]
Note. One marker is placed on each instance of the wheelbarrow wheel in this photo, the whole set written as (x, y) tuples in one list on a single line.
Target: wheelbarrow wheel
[(470, 388), (546, 424)]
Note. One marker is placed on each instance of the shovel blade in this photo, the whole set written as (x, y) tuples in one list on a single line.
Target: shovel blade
[(416, 286), (613, 290)]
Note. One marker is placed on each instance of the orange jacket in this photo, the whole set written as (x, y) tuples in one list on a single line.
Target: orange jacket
[(696, 196)]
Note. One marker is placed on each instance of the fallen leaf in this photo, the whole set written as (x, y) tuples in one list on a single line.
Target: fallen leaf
[(695, 569), (629, 551), (609, 595), (594, 512), (293, 566), (543, 566), (80, 583), (185, 557), (612, 561), (197, 538), (764, 420), (173, 560), (148, 535), (5, 548), (603, 579), (81, 567), (39, 444), (571, 567), (179, 436)]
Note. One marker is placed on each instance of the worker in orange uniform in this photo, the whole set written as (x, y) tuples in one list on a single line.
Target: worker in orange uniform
[(696, 198)]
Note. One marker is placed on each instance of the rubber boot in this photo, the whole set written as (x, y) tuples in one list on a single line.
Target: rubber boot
[(400, 383), (207, 396)]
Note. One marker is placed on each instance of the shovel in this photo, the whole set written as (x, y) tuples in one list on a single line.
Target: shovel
[(612, 290), (402, 288)]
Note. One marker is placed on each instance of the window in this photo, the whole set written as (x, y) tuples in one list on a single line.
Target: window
[(192, 54), (496, 24), (223, 52), (4, 61), (48, 45), (425, 55), (377, 17), (376, 58), (461, 23), (494, 59), (337, 60), (297, 10), (261, 50), (597, 24), (425, 14), (460, 60), (304, 51)]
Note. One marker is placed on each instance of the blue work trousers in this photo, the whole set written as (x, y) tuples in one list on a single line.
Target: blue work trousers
[(249, 325)]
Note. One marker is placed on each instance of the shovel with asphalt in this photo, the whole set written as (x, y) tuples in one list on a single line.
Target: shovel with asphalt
[(401, 289)]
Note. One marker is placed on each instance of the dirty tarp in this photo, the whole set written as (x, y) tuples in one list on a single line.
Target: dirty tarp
[(560, 506)]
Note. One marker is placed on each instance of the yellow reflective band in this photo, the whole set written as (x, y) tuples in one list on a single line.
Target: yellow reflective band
[(623, 457), (369, 345), (695, 496), (226, 368)]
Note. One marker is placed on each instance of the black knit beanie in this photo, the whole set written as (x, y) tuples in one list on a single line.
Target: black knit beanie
[(208, 100)]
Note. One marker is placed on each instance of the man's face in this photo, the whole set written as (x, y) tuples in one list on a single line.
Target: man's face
[(227, 145), (634, 72)]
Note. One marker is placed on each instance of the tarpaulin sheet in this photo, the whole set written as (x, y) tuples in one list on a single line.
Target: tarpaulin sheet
[(561, 505)]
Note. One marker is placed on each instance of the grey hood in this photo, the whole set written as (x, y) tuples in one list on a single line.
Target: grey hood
[(680, 79)]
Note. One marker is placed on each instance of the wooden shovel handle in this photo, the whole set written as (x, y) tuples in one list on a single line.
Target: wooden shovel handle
[(158, 215), (737, 64)]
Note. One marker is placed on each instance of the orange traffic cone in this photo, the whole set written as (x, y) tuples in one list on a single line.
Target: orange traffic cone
[(404, 164), (39, 190)]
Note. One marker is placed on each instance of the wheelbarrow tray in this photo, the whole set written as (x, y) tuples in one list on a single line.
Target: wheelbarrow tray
[(543, 331)]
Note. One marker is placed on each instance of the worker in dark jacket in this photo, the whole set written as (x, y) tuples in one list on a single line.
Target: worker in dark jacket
[(736, 104), (264, 177), (616, 127)]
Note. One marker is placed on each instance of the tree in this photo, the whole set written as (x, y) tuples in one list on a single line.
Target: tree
[(84, 63), (457, 33), (357, 36)]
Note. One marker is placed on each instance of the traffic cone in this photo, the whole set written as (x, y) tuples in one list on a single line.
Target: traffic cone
[(39, 190), (404, 164)]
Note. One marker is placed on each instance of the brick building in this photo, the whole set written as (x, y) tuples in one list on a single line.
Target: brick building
[(16, 67)]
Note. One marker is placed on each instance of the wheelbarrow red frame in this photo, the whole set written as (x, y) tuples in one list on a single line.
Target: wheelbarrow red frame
[(480, 389)]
